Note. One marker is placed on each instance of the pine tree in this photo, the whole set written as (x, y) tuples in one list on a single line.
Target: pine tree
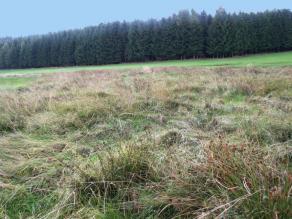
[(183, 35)]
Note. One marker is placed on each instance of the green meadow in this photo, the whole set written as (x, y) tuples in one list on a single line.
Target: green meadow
[(176, 139), (261, 60)]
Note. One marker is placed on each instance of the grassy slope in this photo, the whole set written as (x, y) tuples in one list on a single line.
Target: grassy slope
[(108, 124), (15, 82), (261, 60), (272, 59), (182, 143)]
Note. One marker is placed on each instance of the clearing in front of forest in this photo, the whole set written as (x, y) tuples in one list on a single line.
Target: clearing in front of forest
[(164, 142)]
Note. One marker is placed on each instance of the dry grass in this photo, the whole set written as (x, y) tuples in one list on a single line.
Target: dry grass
[(148, 143)]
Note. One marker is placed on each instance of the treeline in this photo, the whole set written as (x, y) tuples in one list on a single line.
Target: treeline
[(181, 36)]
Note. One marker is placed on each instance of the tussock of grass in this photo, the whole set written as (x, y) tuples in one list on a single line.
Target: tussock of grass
[(161, 143), (116, 171), (233, 180), (266, 131)]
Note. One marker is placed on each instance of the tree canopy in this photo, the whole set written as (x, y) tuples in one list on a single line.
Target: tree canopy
[(181, 36)]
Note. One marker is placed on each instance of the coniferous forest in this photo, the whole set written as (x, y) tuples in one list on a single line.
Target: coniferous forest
[(182, 36)]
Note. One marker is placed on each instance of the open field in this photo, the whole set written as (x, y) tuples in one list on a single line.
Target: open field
[(262, 60), (157, 142), (15, 82), (19, 78)]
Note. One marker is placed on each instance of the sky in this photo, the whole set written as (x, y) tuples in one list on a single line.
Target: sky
[(30, 17)]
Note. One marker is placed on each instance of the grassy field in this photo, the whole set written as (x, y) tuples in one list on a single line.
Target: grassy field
[(261, 60), (155, 142), (24, 77), (16, 82)]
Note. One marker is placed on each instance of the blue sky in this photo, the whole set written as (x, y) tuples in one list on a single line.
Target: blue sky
[(27, 17)]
